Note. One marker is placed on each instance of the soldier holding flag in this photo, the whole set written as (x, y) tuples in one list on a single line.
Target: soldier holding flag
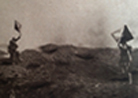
[(12, 48), (125, 51)]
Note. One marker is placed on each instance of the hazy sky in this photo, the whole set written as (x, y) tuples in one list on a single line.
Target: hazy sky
[(86, 23)]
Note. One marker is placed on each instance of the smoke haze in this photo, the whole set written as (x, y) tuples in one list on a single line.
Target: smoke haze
[(78, 22)]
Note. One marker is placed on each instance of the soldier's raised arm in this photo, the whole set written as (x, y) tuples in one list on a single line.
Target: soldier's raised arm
[(113, 35), (16, 39)]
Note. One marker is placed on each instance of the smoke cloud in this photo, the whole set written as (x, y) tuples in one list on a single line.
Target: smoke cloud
[(78, 22)]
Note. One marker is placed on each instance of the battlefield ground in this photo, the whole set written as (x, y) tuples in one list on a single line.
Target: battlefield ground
[(66, 71)]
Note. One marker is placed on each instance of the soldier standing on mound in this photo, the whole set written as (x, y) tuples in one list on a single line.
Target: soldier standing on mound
[(125, 51), (12, 48)]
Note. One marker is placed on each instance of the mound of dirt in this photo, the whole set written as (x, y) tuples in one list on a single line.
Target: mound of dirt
[(2, 53), (50, 48), (32, 58), (67, 72)]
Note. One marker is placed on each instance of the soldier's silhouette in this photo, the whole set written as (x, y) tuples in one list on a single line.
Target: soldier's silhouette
[(12, 49), (125, 56), (125, 50)]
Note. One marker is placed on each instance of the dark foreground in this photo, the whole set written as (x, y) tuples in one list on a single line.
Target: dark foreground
[(68, 72)]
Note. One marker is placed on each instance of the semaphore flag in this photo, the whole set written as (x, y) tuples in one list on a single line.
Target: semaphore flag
[(126, 35), (122, 36), (17, 26)]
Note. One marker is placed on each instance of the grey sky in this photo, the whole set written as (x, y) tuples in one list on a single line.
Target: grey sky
[(79, 22)]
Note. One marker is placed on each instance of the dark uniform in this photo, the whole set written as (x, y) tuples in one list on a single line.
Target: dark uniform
[(125, 56), (12, 49)]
